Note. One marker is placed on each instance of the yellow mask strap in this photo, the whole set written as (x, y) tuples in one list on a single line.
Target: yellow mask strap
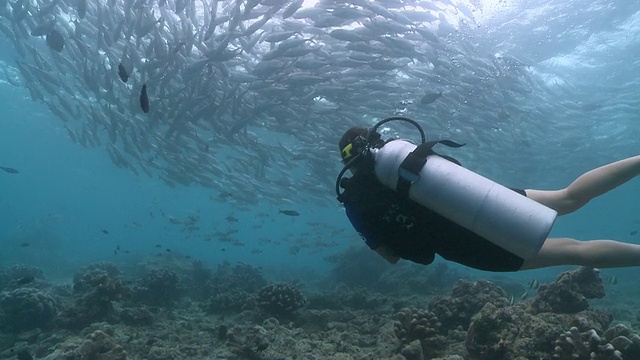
[(346, 151)]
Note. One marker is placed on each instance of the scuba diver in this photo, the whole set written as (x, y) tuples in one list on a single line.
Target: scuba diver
[(409, 202)]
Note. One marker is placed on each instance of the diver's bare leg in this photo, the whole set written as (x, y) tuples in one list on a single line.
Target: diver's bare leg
[(592, 253), (588, 186)]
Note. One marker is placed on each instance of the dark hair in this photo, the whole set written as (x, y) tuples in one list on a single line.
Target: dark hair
[(350, 136)]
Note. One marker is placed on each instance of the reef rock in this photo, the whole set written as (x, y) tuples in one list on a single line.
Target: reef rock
[(94, 275), (508, 332), (616, 343), (96, 346), (423, 327), (280, 299), (99, 287), (22, 276), (26, 308), (243, 277), (228, 302), (159, 288), (570, 292), (136, 316), (466, 299)]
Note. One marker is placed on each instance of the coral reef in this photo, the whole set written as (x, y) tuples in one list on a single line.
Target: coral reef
[(231, 289), (358, 267), (98, 286), (243, 277), (137, 316), (498, 333), (232, 301), (475, 320), (24, 270), (92, 275), (26, 308), (198, 280), (22, 275), (343, 297), (570, 292), (159, 288), (618, 342), (413, 279), (422, 326), (280, 300), (97, 345), (466, 299)]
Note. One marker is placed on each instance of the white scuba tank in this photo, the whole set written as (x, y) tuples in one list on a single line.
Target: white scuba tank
[(504, 217)]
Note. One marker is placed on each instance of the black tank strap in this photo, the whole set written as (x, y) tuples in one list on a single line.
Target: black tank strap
[(409, 170)]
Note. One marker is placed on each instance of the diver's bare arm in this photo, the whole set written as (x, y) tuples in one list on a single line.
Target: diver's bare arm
[(587, 186)]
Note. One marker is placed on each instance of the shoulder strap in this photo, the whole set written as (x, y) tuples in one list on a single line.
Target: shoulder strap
[(409, 170)]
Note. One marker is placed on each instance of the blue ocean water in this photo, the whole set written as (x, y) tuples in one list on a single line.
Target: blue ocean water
[(65, 195), (70, 206)]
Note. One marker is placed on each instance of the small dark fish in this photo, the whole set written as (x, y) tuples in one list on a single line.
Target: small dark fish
[(43, 29), (104, 231), (126, 252), (144, 99), (122, 72), (534, 284), (25, 280), (158, 245), (115, 252), (25, 244), (430, 97), (222, 332), (590, 106), (289, 212), (24, 355), (633, 232), (82, 8), (118, 247), (55, 40), (231, 218), (168, 250), (9, 170)]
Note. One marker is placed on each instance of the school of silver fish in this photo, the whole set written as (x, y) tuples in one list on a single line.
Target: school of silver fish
[(238, 95)]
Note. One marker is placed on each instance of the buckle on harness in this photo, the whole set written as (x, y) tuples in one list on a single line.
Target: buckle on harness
[(408, 175)]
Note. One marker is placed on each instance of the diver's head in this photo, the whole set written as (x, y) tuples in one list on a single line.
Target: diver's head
[(352, 143)]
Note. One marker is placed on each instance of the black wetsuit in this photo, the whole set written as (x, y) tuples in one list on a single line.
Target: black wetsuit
[(413, 232)]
